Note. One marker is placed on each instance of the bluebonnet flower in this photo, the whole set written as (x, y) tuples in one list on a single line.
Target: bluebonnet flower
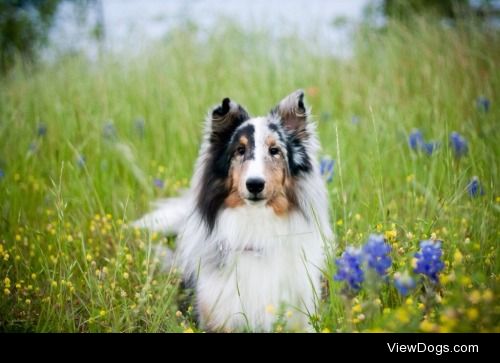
[(458, 144), (349, 268), (429, 147), (109, 130), (415, 140), (483, 104), (428, 259), (475, 188), (403, 282), (139, 124), (2, 174), (41, 130), (80, 160), (376, 253), (326, 168), (355, 120), (325, 116), (158, 183), (32, 148)]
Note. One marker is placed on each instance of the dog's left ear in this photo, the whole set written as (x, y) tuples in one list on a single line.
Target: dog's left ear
[(292, 112), (225, 118)]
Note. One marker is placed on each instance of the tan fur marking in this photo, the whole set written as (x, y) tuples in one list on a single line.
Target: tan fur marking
[(270, 141), (278, 183), (234, 199)]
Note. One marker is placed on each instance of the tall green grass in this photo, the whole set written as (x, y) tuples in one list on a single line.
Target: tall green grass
[(67, 261)]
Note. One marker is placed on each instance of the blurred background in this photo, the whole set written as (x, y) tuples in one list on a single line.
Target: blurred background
[(32, 28), (101, 112)]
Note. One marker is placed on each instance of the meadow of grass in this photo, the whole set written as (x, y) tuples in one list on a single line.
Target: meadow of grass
[(86, 146)]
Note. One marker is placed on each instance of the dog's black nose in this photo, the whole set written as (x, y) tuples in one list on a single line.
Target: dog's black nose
[(255, 185)]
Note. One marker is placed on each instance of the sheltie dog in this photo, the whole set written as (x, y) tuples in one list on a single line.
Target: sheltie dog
[(253, 229)]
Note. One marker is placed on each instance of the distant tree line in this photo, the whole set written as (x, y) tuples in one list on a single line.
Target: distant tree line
[(452, 9), (25, 26)]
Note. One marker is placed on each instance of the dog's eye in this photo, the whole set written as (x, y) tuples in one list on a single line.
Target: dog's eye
[(240, 150), (274, 151)]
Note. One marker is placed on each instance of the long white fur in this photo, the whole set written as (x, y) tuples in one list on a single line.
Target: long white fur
[(169, 215), (254, 262)]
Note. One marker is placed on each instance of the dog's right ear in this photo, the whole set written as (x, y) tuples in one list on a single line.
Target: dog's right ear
[(226, 118)]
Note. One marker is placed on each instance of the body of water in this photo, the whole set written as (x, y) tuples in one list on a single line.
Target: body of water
[(131, 24)]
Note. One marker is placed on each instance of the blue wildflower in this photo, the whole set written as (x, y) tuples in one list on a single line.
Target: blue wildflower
[(429, 147), (109, 130), (428, 259), (325, 116), (349, 268), (403, 282), (41, 130), (355, 120), (80, 160), (32, 148), (326, 168), (376, 253), (475, 188), (2, 173), (158, 183), (415, 140), (483, 104), (139, 125), (458, 144)]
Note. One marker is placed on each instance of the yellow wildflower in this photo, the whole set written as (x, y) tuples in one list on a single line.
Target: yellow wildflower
[(356, 308), (457, 257), (270, 309), (475, 297), (472, 313), (426, 326), (391, 235), (402, 315), (488, 295)]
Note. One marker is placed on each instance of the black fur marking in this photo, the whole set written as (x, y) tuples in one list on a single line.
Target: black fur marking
[(277, 129), (294, 144), (224, 108), (248, 132), (302, 108), (214, 189)]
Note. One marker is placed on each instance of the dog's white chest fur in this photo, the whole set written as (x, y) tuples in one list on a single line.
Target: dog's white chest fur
[(254, 266)]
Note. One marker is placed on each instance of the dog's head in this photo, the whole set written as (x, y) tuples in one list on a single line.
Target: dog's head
[(255, 161)]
